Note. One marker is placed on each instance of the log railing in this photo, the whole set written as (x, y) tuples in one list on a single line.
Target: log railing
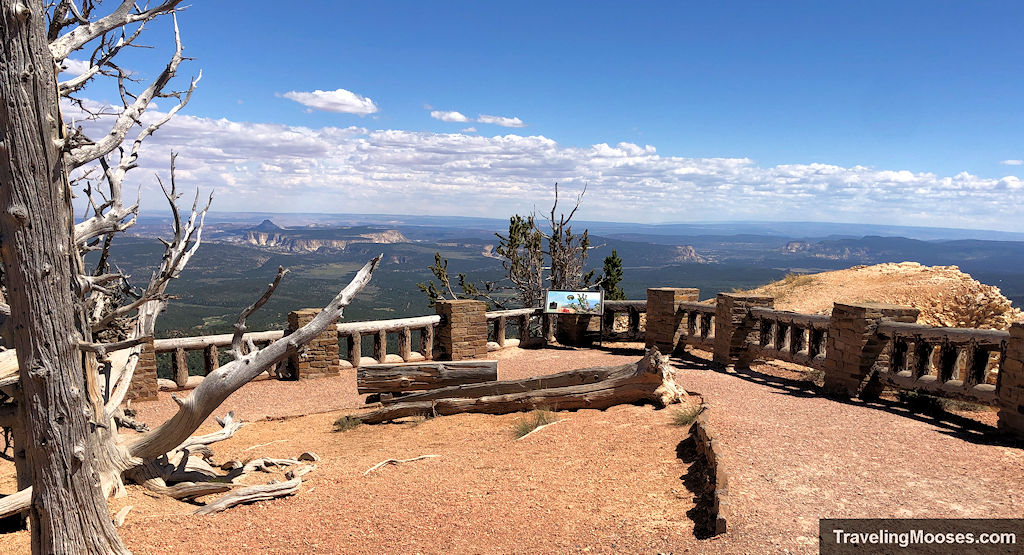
[(948, 362), (633, 310), (500, 322), (790, 336), (698, 322), (351, 334)]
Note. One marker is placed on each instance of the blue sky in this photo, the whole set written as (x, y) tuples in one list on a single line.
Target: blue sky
[(906, 112)]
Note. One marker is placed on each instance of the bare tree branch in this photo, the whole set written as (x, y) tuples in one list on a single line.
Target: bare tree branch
[(225, 380), (236, 340), (126, 13)]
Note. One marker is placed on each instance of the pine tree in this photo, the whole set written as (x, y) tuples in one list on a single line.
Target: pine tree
[(612, 277)]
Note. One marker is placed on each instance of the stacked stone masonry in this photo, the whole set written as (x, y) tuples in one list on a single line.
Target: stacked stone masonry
[(144, 386), (462, 333), (1011, 384), (853, 347), (665, 321), (319, 357), (735, 329)]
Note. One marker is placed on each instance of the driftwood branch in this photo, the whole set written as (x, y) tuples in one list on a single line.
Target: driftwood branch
[(250, 495), (382, 464), (539, 428), (228, 378)]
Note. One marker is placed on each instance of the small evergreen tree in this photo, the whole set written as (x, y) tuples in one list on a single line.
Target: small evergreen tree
[(612, 277)]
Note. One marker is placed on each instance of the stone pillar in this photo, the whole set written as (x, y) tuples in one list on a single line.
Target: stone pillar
[(853, 348), (144, 386), (665, 325), (1011, 384), (734, 327), (319, 357), (577, 330), (462, 333)]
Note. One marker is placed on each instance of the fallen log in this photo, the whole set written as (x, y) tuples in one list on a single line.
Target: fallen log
[(489, 389), (420, 376), (651, 379)]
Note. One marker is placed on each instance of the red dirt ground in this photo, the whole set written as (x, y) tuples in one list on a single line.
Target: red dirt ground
[(602, 481)]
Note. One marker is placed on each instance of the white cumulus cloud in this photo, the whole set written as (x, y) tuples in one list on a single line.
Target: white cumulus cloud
[(1012, 162), (75, 67), (338, 100), (280, 168), (449, 116), (500, 120)]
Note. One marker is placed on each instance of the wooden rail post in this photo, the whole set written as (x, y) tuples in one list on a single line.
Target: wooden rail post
[(211, 361), (427, 343), (405, 344), (499, 331), (853, 347), (380, 346), (180, 367), (1011, 384), (523, 323), (734, 326), (665, 322), (355, 349)]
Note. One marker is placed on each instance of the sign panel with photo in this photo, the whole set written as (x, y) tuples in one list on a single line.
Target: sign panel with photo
[(574, 302)]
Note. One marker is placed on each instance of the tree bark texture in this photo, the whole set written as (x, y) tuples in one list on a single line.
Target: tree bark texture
[(69, 512), (419, 376)]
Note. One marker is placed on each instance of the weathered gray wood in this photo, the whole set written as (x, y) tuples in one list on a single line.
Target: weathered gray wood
[(204, 341), (524, 329), (211, 361), (499, 331), (419, 376), (68, 511), (405, 343), (388, 325), (380, 346), (180, 367), (427, 343), (251, 494), (355, 349), (651, 379)]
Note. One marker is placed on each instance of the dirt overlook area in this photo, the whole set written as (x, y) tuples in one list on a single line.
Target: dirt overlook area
[(620, 480)]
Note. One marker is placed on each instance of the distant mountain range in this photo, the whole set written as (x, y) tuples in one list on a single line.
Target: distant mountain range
[(243, 250)]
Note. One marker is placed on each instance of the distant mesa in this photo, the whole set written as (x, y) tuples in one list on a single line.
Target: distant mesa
[(685, 253), (267, 226), (311, 239)]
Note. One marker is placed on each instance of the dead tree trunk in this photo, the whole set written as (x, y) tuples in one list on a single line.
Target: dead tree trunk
[(651, 379), (69, 512)]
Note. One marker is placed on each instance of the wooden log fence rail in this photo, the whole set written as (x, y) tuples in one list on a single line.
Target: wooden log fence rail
[(501, 322)]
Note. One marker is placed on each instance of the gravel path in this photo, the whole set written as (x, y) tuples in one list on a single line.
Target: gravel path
[(603, 481), (794, 457)]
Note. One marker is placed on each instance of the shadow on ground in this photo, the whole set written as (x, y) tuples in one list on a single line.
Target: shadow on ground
[(950, 424), (698, 481)]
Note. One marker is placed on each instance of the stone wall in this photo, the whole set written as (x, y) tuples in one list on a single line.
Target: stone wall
[(853, 347), (462, 333), (734, 328), (1011, 384), (319, 357)]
